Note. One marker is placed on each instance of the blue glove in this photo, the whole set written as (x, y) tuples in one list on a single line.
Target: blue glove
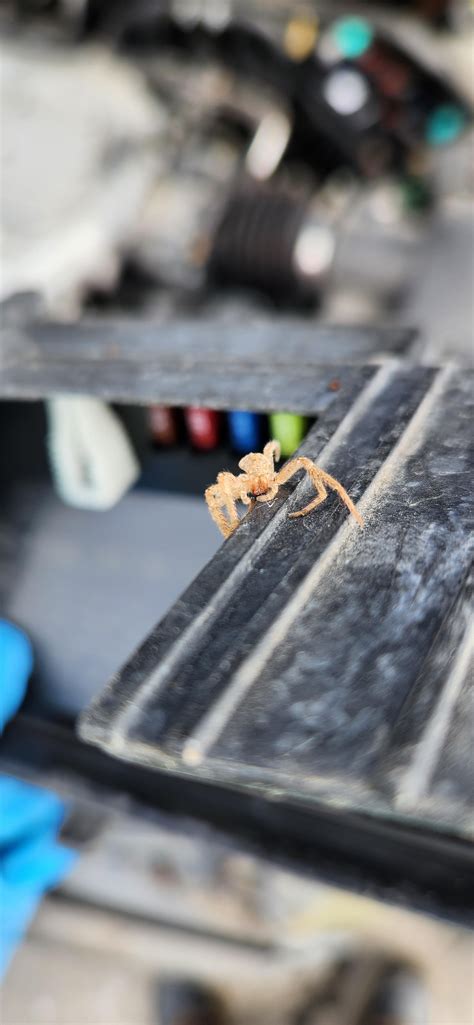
[(31, 860)]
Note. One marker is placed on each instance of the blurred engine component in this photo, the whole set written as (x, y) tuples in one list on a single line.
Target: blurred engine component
[(368, 990), (223, 131), (358, 95), (343, 236), (185, 1003), (262, 241), (286, 156), (79, 155), (417, 105), (289, 245)]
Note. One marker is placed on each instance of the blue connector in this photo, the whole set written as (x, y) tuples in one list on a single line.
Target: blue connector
[(245, 433)]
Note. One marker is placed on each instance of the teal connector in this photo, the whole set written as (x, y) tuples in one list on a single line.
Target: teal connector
[(445, 124), (352, 36)]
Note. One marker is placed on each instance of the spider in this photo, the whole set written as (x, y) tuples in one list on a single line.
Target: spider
[(260, 482)]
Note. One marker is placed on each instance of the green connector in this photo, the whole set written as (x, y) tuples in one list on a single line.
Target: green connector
[(289, 429)]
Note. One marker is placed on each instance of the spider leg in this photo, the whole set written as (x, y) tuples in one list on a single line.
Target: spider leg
[(215, 501), (299, 463), (269, 495), (220, 498), (302, 463), (272, 451), (229, 496), (319, 478), (320, 497), (336, 486)]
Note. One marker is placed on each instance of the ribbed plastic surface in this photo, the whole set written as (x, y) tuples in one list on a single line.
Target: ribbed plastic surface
[(317, 662)]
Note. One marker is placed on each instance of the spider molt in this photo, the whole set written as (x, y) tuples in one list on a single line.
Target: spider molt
[(259, 482)]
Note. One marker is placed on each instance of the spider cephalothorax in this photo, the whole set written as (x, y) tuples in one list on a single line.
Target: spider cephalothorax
[(260, 482)]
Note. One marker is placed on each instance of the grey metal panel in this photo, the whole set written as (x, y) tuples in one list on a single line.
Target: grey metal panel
[(263, 365), (320, 662)]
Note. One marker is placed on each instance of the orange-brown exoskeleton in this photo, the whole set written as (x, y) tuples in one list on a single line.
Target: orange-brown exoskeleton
[(260, 482)]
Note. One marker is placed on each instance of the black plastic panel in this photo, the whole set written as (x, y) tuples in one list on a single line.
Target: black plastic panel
[(316, 662), (281, 363)]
